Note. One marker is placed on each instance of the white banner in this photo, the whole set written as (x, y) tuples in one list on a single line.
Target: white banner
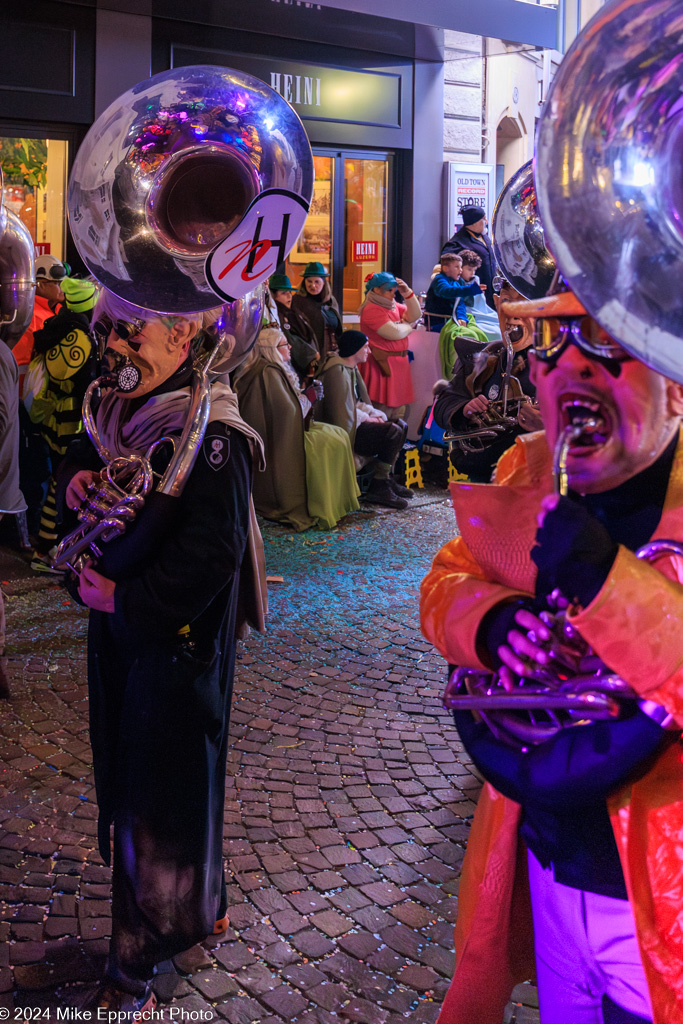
[(261, 241), (467, 185)]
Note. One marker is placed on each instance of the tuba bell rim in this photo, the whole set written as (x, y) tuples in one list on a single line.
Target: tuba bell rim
[(189, 161)]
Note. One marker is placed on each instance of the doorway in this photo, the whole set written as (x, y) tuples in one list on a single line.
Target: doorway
[(347, 227)]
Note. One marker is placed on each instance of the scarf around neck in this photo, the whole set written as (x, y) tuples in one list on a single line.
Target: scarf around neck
[(379, 300), (164, 414)]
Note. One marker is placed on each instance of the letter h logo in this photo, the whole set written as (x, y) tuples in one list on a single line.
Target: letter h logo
[(280, 242)]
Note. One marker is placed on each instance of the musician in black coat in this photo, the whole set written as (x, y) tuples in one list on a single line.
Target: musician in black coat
[(479, 379), (166, 603), (472, 235)]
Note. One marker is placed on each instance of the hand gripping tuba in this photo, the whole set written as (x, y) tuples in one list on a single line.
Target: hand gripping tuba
[(163, 177), (17, 274), (575, 687)]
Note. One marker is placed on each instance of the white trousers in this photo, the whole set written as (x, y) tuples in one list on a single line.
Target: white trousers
[(586, 948)]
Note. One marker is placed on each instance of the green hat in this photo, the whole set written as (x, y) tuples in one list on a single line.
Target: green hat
[(382, 280), (280, 283), (79, 295), (315, 270)]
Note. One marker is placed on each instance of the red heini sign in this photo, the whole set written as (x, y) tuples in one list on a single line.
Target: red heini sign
[(364, 252)]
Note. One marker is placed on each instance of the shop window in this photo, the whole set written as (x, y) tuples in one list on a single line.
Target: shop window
[(315, 244), (365, 223), (346, 229), (35, 179)]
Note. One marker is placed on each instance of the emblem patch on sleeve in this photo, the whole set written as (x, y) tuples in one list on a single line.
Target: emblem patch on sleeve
[(216, 450)]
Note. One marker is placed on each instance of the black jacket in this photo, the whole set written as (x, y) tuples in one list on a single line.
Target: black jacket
[(160, 671), (481, 245), (476, 366)]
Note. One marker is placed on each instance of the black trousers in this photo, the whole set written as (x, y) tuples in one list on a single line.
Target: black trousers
[(381, 441)]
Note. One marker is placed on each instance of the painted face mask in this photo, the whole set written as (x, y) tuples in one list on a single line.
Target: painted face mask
[(64, 360), (630, 412), (142, 354)]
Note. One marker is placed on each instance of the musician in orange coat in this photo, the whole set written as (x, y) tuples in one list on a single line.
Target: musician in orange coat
[(589, 823)]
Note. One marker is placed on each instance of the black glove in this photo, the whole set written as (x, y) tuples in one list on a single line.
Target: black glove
[(495, 626), (573, 552)]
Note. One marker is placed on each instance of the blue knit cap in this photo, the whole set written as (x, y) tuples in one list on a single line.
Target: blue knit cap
[(383, 280)]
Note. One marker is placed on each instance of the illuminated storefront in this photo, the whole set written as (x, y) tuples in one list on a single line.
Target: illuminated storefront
[(355, 82), (35, 178)]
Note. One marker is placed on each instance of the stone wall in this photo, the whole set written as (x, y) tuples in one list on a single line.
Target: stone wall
[(463, 97)]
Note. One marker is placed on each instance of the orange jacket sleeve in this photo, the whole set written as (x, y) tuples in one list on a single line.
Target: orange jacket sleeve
[(455, 594), (634, 624), (454, 599)]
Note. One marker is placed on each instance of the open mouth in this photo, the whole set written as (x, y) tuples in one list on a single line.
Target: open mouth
[(515, 333), (591, 419)]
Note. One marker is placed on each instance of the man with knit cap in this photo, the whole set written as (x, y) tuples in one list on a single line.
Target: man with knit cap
[(472, 235), (345, 403)]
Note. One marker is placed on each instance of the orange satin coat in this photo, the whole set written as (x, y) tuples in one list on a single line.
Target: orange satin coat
[(635, 625)]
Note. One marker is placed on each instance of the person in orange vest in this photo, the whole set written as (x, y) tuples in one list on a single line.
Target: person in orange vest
[(579, 835), (50, 272)]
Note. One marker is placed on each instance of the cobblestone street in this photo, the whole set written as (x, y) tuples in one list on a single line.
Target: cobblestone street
[(348, 807)]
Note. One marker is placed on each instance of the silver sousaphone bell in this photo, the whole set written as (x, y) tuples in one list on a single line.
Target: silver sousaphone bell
[(184, 196)]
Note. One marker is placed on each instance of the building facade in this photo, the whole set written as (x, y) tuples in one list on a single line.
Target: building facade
[(387, 99)]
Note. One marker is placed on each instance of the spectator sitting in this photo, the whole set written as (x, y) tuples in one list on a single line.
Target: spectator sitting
[(388, 324), (447, 292), (479, 380), (299, 333), (346, 404), (310, 477), (484, 317), (318, 305), (62, 367), (50, 273)]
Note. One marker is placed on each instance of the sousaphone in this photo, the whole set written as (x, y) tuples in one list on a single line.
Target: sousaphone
[(185, 194)]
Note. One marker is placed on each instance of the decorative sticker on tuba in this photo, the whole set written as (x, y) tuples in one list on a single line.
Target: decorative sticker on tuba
[(262, 240)]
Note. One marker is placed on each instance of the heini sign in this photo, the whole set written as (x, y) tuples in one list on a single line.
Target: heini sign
[(296, 89), (261, 240), (364, 252)]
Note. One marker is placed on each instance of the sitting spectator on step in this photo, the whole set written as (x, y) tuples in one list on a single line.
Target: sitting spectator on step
[(346, 403), (388, 324), (315, 301), (310, 477), (299, 332)]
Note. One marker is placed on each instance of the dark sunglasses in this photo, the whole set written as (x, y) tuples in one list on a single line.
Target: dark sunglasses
[(553, 334), (56, 272), (123, 329)]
